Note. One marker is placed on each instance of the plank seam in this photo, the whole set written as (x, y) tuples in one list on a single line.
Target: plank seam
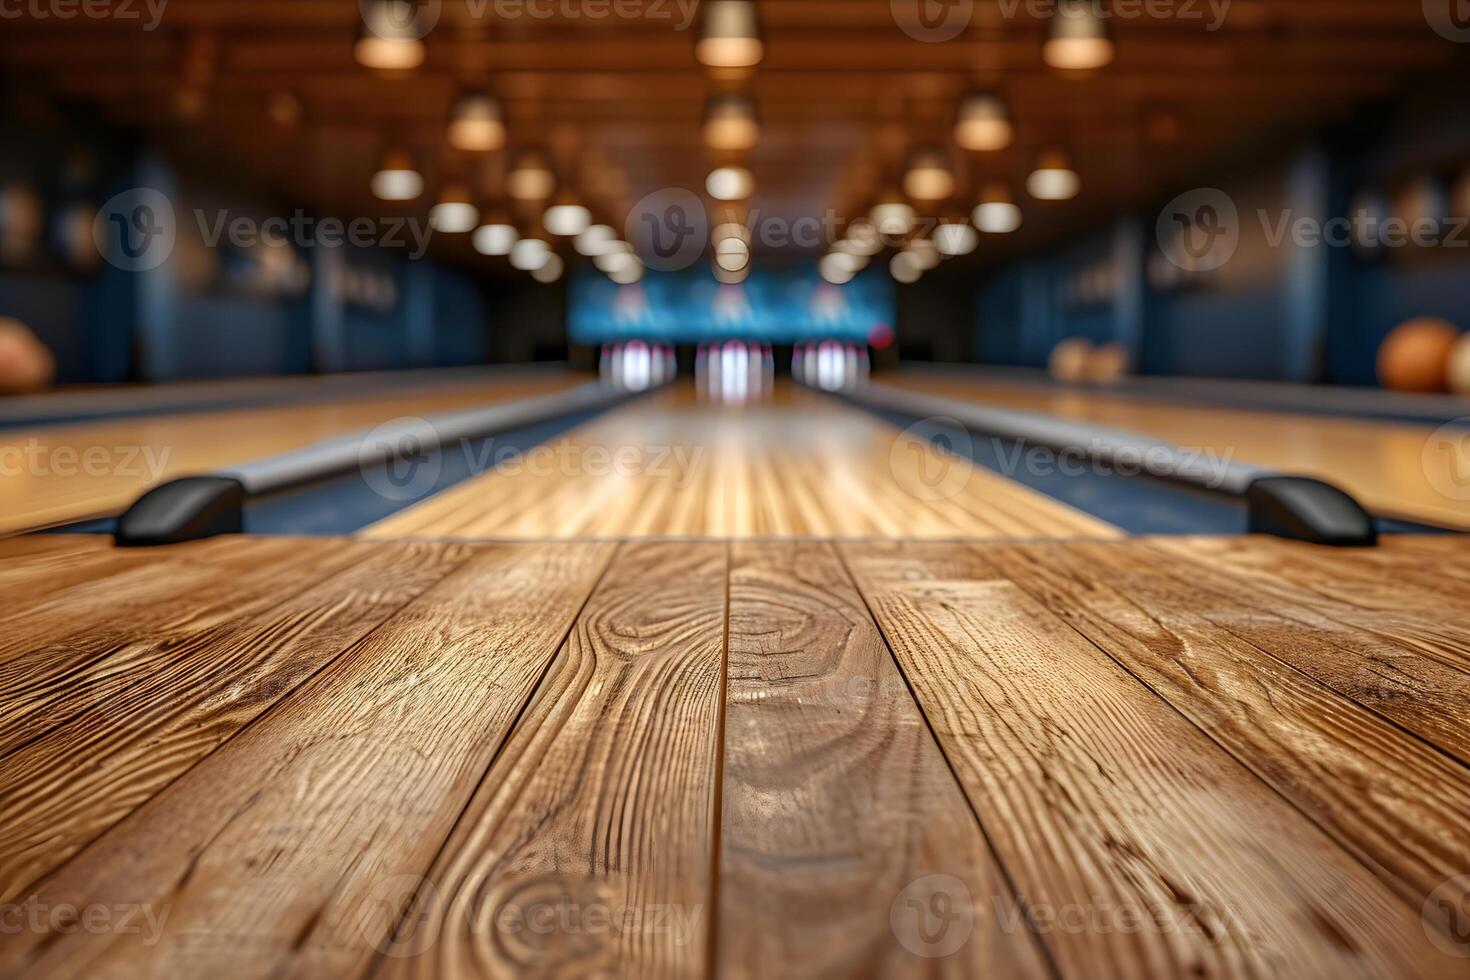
[(266, 712), (1044, 949), (376, 963)]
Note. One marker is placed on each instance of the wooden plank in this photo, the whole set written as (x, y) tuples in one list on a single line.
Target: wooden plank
[(96, 469), (801, 465), (1395, 648), (1414, 602), (837, 804), (1109, 809), (95, 639), (283, 849), (66, 787), (1381, 463), (590, 845), (1383, 794)]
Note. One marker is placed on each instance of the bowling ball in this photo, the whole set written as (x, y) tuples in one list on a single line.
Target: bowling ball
[(1457, 372), (1415, 354), (1068, 361), (1108, 364), (25, 363)]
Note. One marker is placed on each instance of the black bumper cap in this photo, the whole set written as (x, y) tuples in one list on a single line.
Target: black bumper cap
[(183, 510), (1303, 509)]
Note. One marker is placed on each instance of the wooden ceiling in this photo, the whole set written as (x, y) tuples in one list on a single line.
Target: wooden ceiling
[(843, 93)]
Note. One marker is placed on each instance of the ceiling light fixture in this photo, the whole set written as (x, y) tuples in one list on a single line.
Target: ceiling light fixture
[(730, 122), (397, 177), (476, 123), (1077, 38), (390, 37), (1053, 178), (454, 214), (929, 177), (729, 35), (996, 214), (983, 123), (730, 184)]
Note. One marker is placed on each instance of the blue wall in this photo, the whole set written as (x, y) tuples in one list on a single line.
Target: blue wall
[(207, 312), (1275, 310)]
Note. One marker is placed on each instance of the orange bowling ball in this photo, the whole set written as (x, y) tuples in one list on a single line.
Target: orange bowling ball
[(1457, 373), (1416, 354), (25, 363), (1068, 361), (1108, 364)]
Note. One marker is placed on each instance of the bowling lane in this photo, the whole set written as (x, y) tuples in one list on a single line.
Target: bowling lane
[(1397, 469), (800, 465), (57, 474)]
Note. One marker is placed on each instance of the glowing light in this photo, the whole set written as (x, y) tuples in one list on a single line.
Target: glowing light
[(530, 179), (1077, 38), (905, 268), (984, 123), (729, 36), (454, 214), (388, 39), (397, 177), (567, 219), (476, 123), (996, 214), (929, 177), (730, 183), (594, 240), (550, 270), (529, 253), (893, 217), (495, 239), (1053, 179), (955, 238), (730, 122)]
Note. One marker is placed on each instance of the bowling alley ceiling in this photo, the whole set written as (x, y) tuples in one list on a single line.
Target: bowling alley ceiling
[(843, 94)]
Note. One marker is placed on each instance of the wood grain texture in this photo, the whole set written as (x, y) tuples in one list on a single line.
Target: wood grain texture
[(1356, 622), (1383, 464), (96, 469), (120, 745), (838, 807), (1103, 802), (802, 465), (97, 638), (589, 846), (1245, 677), (283, 850)]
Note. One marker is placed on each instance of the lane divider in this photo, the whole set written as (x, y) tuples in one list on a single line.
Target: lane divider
[(194, 507), (1295, 507)]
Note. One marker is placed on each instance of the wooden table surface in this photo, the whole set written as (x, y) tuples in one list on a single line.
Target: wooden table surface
[(1088, 758), (63, 473), (801, 464), (1393, 468)]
